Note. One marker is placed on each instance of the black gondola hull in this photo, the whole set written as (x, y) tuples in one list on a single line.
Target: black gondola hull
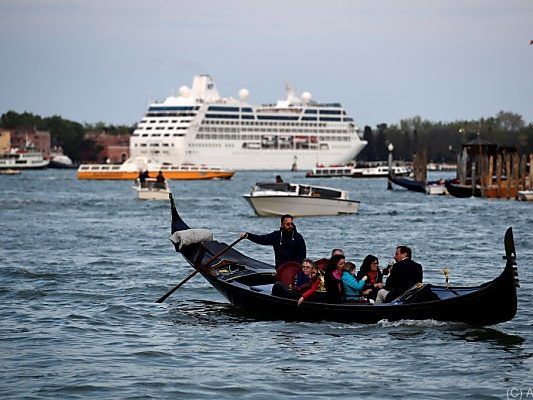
[(409, 184)]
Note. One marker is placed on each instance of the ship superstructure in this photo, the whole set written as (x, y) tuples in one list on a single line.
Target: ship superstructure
[(199, 126)]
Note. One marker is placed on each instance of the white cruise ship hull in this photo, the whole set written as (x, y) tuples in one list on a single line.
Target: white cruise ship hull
[(274, 159)]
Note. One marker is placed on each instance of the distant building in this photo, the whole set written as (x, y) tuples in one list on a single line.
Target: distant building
[(5, 141), (115, 148)]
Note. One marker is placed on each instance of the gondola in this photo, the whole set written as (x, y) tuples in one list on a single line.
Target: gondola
[(463, 191), (409, 184), (430, 187), (248, 283)]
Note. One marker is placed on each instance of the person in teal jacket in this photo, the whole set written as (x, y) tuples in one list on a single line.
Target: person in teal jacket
[(352, 287)]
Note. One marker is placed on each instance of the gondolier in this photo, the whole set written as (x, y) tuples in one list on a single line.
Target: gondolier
[(288, 244)]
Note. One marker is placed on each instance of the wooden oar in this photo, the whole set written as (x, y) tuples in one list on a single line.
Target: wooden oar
[(162, 299)]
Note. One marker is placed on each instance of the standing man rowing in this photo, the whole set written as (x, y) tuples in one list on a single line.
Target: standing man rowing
[(288, 244)]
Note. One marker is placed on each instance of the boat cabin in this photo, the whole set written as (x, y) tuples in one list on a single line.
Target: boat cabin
[(291, 189)]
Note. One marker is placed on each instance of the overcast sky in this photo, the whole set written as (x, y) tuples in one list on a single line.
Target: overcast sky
[(384, 61)]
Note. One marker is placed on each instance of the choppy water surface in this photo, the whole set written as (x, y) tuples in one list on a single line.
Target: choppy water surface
[(82, 262)]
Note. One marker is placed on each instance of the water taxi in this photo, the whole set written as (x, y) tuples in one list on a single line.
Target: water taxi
[(151, 189), (129, 170), (279, 198)]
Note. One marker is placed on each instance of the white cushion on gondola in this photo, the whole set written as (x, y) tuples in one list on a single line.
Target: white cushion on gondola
[(191, 236)]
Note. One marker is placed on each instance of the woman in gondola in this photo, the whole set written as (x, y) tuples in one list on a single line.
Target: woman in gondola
[(315, 288), (333, 278), (374, 281), (302, 277)]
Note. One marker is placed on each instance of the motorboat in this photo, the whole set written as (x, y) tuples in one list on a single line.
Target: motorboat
[(61, 161), (151, 189), (525, 195), (279, 198), (9, 171), (248, 285)]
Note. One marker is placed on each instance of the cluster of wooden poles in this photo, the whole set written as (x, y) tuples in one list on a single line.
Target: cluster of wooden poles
[(499, 176)]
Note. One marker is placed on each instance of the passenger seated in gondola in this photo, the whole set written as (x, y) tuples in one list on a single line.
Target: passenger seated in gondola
[(333, 278), (404, 275), (351, 285), (374, 282), (302, 277), (351, 268), (315, 288)]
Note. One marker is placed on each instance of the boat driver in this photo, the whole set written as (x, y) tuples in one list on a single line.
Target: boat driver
[(288, 244)]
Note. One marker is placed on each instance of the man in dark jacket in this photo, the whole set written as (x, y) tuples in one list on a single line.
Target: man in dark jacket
[(404, 274), (288, 244)]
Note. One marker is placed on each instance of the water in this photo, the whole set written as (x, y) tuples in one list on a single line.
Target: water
[(82, 262)]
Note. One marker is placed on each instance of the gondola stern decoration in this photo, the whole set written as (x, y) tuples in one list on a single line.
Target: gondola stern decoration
[(510, 255)]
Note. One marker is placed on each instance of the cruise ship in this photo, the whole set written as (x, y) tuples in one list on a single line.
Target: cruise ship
[(200, 127)]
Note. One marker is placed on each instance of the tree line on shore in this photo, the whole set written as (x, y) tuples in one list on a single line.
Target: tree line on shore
[(440, 140)]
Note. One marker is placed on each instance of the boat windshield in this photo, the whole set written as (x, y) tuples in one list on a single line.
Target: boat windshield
[(278, 187), (322, 192)]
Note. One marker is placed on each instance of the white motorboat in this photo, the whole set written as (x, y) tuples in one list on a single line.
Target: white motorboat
[(151, 189), (435, 189), (525, 195), (61, 161), (278, 198)]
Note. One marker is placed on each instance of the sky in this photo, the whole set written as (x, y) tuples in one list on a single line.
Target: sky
[(383, 60)]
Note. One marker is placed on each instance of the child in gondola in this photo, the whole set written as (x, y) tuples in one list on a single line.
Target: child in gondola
[(351, 285)]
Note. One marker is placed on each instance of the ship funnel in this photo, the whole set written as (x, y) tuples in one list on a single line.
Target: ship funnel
[(203, 88)]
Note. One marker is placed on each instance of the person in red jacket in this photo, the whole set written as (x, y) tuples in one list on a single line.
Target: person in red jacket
[(315, 285)]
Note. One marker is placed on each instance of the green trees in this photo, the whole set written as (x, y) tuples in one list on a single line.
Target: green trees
[(442, 140), (69, 135)]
